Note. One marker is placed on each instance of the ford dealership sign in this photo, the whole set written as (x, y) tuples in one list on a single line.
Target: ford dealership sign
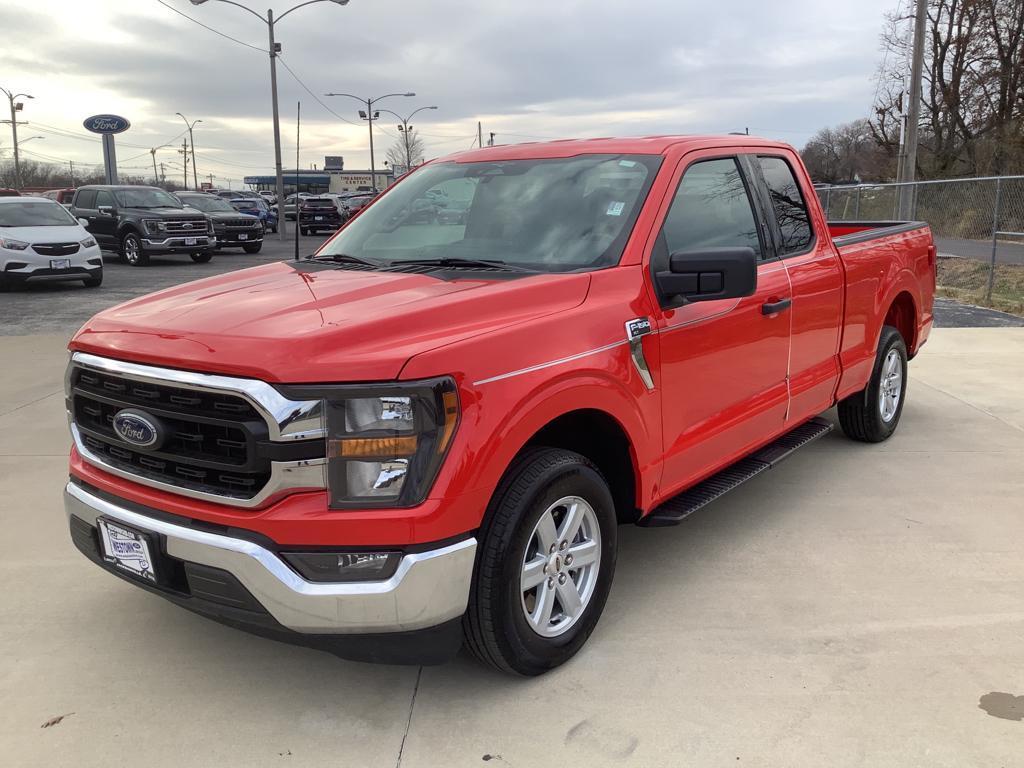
[(106, 124)]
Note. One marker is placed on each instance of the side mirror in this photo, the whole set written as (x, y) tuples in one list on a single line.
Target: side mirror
[(84, 222), (106, 210), (708, 274)]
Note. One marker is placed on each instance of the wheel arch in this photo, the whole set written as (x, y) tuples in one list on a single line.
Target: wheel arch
[(902, 314)]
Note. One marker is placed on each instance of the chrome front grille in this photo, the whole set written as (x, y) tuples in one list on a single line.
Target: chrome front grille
[(242, 223), (185, 225), (233, 441)]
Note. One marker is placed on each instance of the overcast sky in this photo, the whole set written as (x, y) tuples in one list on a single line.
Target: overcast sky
[(528, 69)]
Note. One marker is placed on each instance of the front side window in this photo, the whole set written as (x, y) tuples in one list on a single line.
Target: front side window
[(551, 215), (788, 205), (86, 199), (711, 209), (103, 197)]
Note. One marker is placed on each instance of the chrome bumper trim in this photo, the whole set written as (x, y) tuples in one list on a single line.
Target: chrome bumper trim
[(428, 588), (178, 241)]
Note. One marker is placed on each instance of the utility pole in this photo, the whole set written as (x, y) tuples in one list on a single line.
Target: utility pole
[(479, 134), (490, 141), (71, 166), (156, 177), (163, 174), (210, 176), (184, 155), (913, 109), (298, 215), (16, 107)]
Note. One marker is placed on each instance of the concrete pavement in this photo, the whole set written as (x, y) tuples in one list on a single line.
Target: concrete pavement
[(849, 608)]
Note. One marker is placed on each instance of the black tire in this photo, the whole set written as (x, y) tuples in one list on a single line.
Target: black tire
[(860, 414), (4, 286), (495, 626), (252, 247), (94, 282), (132, 252), (305, 231), (201, 257)]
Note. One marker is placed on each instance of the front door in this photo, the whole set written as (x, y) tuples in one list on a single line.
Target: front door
[(723, 363), (104, 224)]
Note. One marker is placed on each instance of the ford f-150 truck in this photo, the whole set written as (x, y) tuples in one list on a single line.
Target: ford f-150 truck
[(427, 433)]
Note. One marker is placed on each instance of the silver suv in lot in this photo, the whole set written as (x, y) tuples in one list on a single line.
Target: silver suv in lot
[(41, 242)]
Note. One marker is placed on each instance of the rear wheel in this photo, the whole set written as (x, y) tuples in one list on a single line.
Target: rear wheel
[(131, 250), (873, 414), (201, 257), (545, 563)]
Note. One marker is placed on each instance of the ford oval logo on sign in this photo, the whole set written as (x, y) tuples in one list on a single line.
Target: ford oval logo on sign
[(106, 124), (137, 428)]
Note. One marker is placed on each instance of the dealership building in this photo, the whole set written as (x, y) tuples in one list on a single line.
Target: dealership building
[(333, 178)]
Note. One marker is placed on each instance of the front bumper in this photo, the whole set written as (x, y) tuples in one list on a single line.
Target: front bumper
[(230, 238), (428, 590), (177, 244)]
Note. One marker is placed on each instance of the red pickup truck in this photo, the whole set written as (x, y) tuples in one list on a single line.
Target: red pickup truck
[(426, 434)]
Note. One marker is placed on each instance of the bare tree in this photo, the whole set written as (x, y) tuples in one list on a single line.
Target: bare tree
[(973, 98), (407, 150), (847, 153)]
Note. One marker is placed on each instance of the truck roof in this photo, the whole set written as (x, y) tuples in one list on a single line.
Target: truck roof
[(639, 145)]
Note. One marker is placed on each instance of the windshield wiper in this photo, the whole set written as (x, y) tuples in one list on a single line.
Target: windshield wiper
[(342, 258), (456, 261)]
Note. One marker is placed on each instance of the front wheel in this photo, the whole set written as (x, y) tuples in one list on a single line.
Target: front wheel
[(202, 257), (94, 282), (545, 563), (252, 247), (873, 414), (131, 250)]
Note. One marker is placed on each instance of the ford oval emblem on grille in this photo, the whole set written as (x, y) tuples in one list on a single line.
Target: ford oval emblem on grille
[(138, 429), (187, 225)]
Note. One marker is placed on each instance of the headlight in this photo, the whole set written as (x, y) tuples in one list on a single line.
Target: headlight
[(385, 442), (154, 226), (12, 245), (87, 243)]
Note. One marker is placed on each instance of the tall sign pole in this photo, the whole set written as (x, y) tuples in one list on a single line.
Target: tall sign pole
[(107, 126)]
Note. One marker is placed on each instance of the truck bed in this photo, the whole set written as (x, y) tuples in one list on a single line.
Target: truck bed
[(850, 232)]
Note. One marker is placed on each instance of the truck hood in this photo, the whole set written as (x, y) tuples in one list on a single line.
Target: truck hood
[(306, 323)]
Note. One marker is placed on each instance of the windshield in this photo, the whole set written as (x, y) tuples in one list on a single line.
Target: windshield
[(552, 215), (208, 204), (247, 204), (35, 213), (145, 197)]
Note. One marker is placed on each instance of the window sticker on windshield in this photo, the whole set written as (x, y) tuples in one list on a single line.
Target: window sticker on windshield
[(615, 208), (627, 163)]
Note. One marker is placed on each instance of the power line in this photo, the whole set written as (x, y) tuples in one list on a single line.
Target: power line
[(315, 97), (215, 31)]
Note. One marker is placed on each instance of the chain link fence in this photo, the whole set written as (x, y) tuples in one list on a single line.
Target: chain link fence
[(978, 225)]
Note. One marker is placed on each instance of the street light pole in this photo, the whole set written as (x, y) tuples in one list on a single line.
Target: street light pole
[(15, 108), (275, 49), (195, 178), (369, 118), (404, 128)]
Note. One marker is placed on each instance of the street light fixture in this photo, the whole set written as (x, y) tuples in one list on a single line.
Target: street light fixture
[(15, 108), (195, 178), (275, 48), (404, 128), (30, 139), (369, 116)]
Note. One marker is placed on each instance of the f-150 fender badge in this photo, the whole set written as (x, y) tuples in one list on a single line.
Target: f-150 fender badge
[(636, 329)]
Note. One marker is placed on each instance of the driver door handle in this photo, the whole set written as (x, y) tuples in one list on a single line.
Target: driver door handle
[(774, 307)]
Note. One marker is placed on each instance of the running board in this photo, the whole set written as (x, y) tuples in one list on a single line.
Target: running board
[(680, 507)]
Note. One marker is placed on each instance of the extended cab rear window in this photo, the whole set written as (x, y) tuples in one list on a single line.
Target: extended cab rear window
[(788, 204)]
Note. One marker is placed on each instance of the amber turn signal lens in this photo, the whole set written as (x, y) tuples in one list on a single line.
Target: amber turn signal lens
[(451, 416), (371, 447)]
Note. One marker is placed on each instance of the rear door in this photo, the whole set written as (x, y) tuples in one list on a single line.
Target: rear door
[(723, 363), (816, 277)]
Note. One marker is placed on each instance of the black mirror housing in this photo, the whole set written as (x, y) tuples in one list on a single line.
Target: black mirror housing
[(708, 274)]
